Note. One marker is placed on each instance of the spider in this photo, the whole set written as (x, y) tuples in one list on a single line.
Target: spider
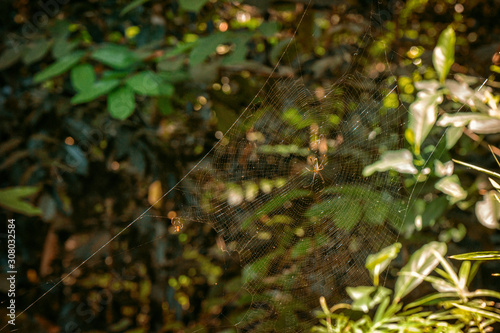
[(177, 223), (316, 168)]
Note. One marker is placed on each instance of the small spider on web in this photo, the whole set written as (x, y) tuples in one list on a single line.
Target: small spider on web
[(177, 223), (316, 168)]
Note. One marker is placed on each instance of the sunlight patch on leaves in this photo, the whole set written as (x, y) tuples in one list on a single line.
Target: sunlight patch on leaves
[(14, 199), (398, 160)]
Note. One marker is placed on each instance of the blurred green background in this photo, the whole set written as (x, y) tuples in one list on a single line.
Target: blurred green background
[(83, 153)]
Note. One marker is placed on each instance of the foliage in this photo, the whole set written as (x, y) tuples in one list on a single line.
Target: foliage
[(12, 199), (105, 105), (455, 106), (451, 308)]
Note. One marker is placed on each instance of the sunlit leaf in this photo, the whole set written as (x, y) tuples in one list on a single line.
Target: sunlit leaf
[(463, 274), (431, 299), (296, 119), (367, 297), (96, 90), (443, 169), (444, 53), (121, 103), (361, 297), (82, 77), (486, 171), (430, 85), (423, 114), (378, 262), (488, 211), (422, 262), (398, 160), (489, 126), (460, 119), (59, 67), (479, 311), (14, 199), (451, 186), (459, 90), (495, 185)]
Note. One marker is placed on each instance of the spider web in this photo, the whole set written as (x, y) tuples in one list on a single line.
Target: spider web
[(283, 188)]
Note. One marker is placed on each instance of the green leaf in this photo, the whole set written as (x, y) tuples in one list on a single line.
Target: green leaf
[(434, 210), (398, 160), (82, 77), (9, 57), (206, 46), (483, 255), (269, 29), (451, 186), (486, 171), (453, 134), (301, 248), (278, 49), (60, 28), (378, 262), (63, 47), (258, 268), (461, 119), (275, 203), (112, 74), (463, 274), (121, 103), (296, 119), (490, 126), (421, 262), (423, 114), (431, 299), (345, 211), (444, 53), (238, 54), (479, 311), (115, 56), (59, 67), (96, 90), (13, 199), (363, 299), (165, 105), (134, 4), (36, 51), (150, 84), (192, 5), (376, 208)]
